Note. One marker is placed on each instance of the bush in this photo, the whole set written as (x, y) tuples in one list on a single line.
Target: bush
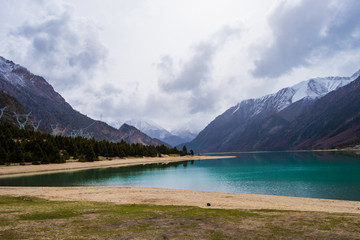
[(82, 158)]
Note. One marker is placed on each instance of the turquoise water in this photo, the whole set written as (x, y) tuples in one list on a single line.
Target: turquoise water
[(302, 174)]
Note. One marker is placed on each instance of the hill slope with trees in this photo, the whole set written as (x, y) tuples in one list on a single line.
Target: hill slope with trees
[(27, 146)]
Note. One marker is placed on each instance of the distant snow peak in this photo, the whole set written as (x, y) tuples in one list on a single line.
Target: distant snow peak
[(185, 133), (150, 128), (144, 125), (311, 89), (153, 130)]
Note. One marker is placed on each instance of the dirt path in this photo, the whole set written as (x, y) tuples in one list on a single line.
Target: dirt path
[(157, 196)]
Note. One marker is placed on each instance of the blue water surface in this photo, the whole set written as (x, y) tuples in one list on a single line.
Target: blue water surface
[(331, 175)]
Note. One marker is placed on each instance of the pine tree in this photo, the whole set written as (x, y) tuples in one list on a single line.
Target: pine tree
[(65, 155), (38, 154), (82, 158), (90, 155), (44, 148), (52, 152), (3, 156), (21, 156), (184, 149), (12, 157), (28, 157), (97, 148)]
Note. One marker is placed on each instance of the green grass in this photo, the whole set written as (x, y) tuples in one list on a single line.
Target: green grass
[(57, 214), (34, 218)]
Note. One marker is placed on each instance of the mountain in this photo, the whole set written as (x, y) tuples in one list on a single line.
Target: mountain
[(9, 105), (155, 131), (255, 124), (150, 128), (186, 134), (37, 96), (332, 120), (133, 135)]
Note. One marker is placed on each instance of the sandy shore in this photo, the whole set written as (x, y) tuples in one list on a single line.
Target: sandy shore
[(141, 195), (9, 171)]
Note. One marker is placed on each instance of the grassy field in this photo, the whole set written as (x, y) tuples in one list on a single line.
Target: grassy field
[(34, 218)]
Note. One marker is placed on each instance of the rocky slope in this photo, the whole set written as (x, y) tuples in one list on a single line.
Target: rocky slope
[(37, 96), (9, 105), (256, 124), (133, 135), (330, 121)]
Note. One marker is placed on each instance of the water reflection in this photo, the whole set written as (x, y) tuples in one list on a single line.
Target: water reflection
[(304, 174), (83, 177)]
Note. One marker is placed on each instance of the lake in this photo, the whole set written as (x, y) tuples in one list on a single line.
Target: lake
[(331, 175)]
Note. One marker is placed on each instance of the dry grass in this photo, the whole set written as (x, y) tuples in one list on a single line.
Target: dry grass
[(34, 218)]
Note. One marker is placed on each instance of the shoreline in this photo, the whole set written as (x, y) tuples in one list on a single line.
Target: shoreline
[(25, 170), (162, 196), (170, 197), (311, 150)]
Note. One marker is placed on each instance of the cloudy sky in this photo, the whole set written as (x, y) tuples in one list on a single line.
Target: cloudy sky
[(178, 63)]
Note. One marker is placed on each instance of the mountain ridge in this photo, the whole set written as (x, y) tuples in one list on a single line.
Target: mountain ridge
[(240, 124), (37, 96), (156, 131)]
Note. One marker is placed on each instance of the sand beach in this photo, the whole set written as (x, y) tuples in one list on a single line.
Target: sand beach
[(157, 196)]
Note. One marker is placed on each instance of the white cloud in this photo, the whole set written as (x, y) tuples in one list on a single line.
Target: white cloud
[(194, 77), (308, 32), (174, 62), (60, 47)]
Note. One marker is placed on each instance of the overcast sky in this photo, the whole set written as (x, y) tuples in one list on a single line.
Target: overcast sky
[(178, 63)]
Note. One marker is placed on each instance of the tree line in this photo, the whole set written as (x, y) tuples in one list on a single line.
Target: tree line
[(26, 146)]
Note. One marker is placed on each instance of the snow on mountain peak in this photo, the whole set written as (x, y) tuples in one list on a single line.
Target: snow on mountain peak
[(155, 131), (311, 89), (318, 87), (355, 75), (7, 68), (144, 125), (150, 128)]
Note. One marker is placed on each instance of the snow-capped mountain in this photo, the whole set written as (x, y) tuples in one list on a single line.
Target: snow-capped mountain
[(18, 77), (156, 131), (311, 90), (6, 68), (240, 121), (150, 128), (186, 134), (37, 96)]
